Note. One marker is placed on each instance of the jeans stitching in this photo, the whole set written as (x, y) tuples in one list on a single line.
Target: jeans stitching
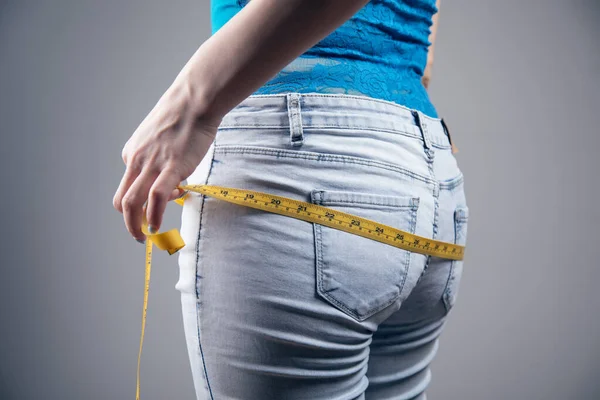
[(436, 193), (199, 303), (452, 183), (448, 304), (368, 128), (342, 96), (223, 149), (413, 226), (319, 260), (375, 203)]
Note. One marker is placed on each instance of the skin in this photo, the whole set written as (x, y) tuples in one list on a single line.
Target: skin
[(251, 48)]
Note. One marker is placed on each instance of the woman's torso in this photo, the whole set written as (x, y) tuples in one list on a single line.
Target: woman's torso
[(380, 52)]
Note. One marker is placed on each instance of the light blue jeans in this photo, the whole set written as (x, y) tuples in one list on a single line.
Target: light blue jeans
[(280, 308)]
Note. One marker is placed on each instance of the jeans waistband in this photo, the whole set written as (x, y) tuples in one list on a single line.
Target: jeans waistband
[(304, 111)]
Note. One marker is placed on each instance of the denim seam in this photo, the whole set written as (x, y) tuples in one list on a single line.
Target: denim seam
[(321, 157), (374, 203), (436, 194), (327, 197), (361, 127), (435, 231), (342, 96), (321, 126), (199, 303), (368, 313), (453, 183), (446, 297), (317, 228), (413, 226)]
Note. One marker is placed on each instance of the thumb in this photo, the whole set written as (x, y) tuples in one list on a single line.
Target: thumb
[(176, 193)]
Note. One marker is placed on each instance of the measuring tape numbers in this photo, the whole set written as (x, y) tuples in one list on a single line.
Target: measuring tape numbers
[(172, 242)]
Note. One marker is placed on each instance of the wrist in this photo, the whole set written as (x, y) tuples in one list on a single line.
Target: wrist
[(195, 98)]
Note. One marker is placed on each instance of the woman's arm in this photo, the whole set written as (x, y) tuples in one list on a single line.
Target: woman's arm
[(427, 74), (253, 46)]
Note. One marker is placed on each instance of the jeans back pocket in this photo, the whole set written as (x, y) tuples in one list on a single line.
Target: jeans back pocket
[(461, 218), (358, 275)]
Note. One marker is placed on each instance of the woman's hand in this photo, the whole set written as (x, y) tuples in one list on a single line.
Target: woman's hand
[(163, 151), (256, 43)]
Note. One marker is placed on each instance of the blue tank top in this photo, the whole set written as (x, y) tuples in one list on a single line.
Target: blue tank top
[(380, 52)]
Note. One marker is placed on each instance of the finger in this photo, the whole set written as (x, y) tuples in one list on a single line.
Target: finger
[(176, 193), (134, 200), (160, 194), (131, 173)]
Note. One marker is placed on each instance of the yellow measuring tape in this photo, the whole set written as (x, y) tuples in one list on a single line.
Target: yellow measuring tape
[(172, 241)]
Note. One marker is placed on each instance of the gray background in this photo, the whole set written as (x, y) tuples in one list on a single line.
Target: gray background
[(517, 81)]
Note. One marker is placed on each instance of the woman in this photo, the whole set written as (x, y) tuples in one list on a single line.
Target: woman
[(324, 102)]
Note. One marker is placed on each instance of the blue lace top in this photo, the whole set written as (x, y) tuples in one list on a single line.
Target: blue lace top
[(380, 52)]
